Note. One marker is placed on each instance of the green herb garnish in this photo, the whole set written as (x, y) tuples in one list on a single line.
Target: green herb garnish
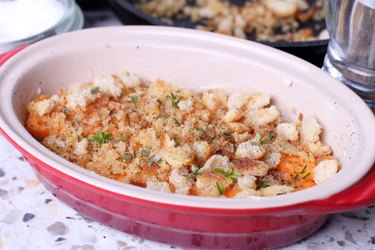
[(101, 138), (302, 172), (65, 110), (150, 160), (265, 139), (134, 100), (230, 175), (175, 120), (195, 171), (220, 187), (94, 90), (175, 99), (272, 135), (165, 116), (121, 137), (262, 184), (145, 152), (127, 155), (227, 133), (202, 131), (175, 138)]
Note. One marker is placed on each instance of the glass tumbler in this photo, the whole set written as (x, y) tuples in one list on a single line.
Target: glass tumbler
[(351, 51)]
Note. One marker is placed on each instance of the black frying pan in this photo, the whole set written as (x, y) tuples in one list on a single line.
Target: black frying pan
[(311, 51)]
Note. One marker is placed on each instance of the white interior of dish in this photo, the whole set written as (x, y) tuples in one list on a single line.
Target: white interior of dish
[(194, 60)]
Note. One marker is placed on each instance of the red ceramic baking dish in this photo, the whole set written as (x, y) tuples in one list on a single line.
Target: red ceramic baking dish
[(193, 59)]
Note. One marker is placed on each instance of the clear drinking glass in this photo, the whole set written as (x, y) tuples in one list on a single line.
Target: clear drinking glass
[(351, 51)]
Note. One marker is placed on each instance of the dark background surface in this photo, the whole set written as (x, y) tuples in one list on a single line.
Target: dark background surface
[(115, 11)]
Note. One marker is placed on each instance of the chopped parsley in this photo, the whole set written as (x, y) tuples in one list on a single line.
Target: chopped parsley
[(134, 100), (94, 90), (272, 135), (262, 184), (145, 152), (175, 99), (121, 137), (302, 172), (175, 120), (220, 187), (195, 171), (152, 159), (202, 131), (101, 138), (65, 110), (227, 133), (175, 138), (127, 155), (165, 116), (265, 139), (230, 175)]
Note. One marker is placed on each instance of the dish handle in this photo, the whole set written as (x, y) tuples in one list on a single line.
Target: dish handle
[(359, 195)]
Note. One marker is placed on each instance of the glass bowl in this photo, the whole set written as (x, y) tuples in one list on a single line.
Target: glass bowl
[(72, 19)]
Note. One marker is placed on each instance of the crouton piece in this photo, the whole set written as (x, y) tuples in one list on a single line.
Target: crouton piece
[(246, 193), (272, 159), (275, 190), (262, 116), (202, 151), (318, 148), (108, 84), (287, 131), (213, 99), (185, 105), (238, 127), (310, 130), (247, 182), (130, 80), (246, 166), (44, 106), (217, 161), (81, 147), (178, 177), (178, 157), (206, 184), (233, 115), (158, 186), (147, 138), (258, 100), (249, 150), (160, 90), (79, 97), (237, 100), (325, 170)]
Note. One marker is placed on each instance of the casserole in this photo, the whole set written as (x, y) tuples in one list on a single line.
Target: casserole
[(193, 58)]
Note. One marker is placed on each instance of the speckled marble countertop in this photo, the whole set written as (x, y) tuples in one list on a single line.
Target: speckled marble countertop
[(32, 218)]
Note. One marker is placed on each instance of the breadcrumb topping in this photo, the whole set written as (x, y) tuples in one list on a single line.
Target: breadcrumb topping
[(162, 137)]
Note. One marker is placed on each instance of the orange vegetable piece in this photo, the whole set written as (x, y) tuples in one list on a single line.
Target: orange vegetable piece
[(296, 171), (37, 126)]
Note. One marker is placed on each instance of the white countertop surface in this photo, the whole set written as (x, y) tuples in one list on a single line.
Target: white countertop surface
[(32, 218)]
